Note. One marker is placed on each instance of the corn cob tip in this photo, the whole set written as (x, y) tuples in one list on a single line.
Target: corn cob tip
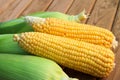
[(16, 37), (114, 65), (114, 43), (33, 20), (82, 16)]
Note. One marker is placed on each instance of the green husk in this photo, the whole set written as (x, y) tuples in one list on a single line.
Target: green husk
[(24, 67), (8, 45), (20, 25)]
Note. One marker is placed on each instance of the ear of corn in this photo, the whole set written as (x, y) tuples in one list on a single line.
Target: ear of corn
[(19, 67), (77, 31), (20, 25), (77, 55), (8, 45)]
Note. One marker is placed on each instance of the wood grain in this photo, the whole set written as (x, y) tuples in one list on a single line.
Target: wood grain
[(76, 74), (37, 5), (79, 5), (14, 10), (103, 13), (115, 75), (60, 5), (4, 16), (4, 4)]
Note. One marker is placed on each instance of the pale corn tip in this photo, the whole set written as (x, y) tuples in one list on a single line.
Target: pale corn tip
[(16, 37), (82, 16), (114, 65), (114, 43), (34, 20)]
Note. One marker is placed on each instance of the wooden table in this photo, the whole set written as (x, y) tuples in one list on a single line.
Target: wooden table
[(103, 13)]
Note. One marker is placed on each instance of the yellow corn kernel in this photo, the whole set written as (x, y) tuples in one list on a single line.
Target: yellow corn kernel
[(77, 31), (74, 54)]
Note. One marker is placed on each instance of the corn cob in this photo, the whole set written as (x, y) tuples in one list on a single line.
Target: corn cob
[(82, 32), (20, 25), (77, 55), (7, 45), (19, 67)]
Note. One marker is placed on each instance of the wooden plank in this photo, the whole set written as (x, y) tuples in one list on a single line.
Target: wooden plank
[(14, 10), (8, 12), (79, 5), (4, 4), (75, 74), (60, 5), (37, 5), (115, 75), (103, 13)]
